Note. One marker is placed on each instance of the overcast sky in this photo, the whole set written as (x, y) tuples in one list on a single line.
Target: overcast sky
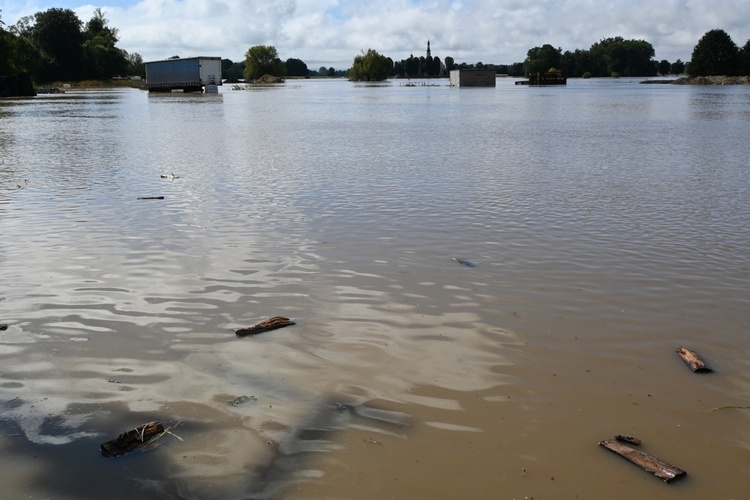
[(331, 32)]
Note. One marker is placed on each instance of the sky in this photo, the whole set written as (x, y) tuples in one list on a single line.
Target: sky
[(331, 33)]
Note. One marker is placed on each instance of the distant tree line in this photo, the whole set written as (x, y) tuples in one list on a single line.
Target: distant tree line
[(262, 59), (715, 54), (55, 45)]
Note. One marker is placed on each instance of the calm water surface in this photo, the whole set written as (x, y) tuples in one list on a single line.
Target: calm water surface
[(607, 223)]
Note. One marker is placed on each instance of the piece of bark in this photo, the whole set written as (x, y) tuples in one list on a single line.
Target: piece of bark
[(647, 462), (264, 326), (693, 360), (132, 439)]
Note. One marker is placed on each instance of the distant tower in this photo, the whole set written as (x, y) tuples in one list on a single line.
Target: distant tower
[(428, 48)]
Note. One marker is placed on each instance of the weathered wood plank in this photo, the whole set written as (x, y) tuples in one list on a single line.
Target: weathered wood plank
[(649, 463), (266, 325), (693, 360)]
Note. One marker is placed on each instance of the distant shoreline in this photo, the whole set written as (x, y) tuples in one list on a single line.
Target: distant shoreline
[(712, 80)]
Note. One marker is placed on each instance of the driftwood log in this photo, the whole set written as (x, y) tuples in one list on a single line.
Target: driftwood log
[(693, 360), (264, 326), (150, 197), (132, 440), (647, 462)]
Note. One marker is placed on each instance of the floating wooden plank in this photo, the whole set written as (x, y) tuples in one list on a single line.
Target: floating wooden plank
[(133, 439), (647, 462), (693, 360), (264, 326)]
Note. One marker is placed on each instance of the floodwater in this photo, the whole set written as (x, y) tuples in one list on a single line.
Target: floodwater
[(607, 223)]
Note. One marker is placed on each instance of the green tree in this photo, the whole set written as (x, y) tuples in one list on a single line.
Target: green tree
[(135, 64), (575, 63), (263, 60), (331, 71), (677, 68), (232, 70), (715, 54), (624, 57), (102, 59), (296, 67), (57, 33), (24, 52), (542, 59), (6, 43), (370, 66), (744, 60), (449, 63), (663, 67)]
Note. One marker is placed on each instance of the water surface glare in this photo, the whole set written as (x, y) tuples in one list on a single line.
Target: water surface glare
[(606, 224)]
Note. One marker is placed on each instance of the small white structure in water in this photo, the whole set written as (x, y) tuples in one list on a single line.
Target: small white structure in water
[(472, 78)]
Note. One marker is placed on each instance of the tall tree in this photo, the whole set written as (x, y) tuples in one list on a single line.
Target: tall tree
[(370, 66), (624, 57), (57, 33), (677, 68), (263, 60), (296, 67), (135, 64), (744, 60), (102, 58), (541, 59), (715, 54)]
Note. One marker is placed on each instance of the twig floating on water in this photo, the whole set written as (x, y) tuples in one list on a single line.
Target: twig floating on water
[(744, 407), (649, 463), (693, 360), (150, 197), (264, 326), (133, 439)]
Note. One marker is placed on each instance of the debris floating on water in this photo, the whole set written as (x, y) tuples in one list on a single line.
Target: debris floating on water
[(241, 400), (628, 439), (264, 326), (464, 262), (170, 176), (3, 326), (133, 439), (649, 463), (693, 360)]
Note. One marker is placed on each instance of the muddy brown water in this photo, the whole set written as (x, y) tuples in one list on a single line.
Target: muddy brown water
[(606, 223)]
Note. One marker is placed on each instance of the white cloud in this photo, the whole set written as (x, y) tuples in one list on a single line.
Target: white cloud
[(332, 32)]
